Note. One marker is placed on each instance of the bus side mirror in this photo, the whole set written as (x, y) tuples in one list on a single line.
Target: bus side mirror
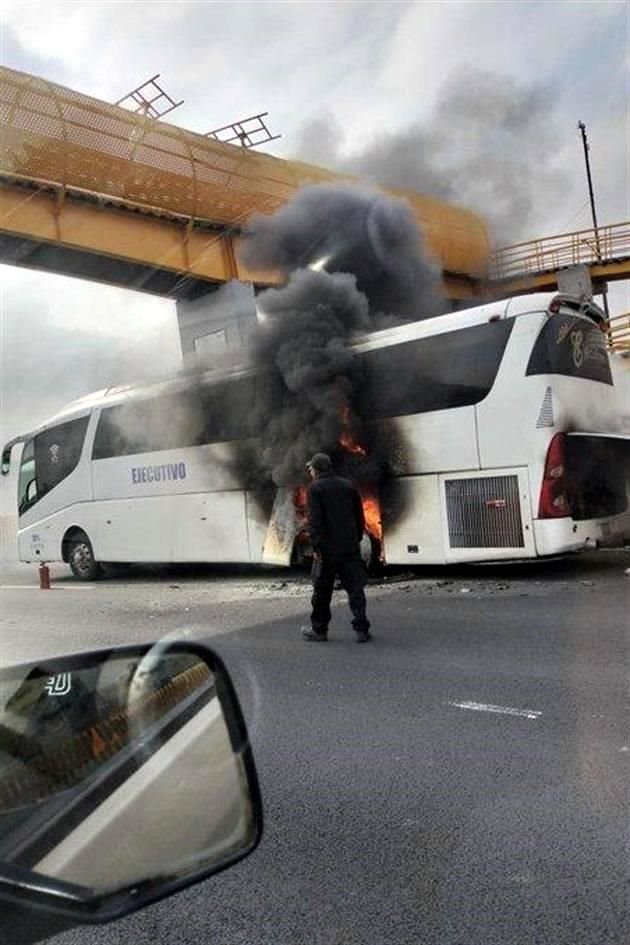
[(6, 454), (6, 459), (125, 775), (31, 491)]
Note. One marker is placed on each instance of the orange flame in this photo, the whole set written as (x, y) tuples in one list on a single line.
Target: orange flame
[(372, 513), (346, 440), (371, 506), (348, 444)]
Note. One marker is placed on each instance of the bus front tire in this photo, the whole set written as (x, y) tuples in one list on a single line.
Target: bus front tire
[(81, 559)]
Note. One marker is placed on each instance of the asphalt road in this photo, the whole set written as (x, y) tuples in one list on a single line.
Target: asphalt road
[(393, 814)]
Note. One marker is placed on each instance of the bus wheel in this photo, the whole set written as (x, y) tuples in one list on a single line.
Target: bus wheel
[(81, 559)]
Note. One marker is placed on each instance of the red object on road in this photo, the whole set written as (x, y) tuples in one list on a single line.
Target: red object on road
[(44, 577)]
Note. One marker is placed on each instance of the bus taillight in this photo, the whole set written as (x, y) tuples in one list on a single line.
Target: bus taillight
[(554, 501)]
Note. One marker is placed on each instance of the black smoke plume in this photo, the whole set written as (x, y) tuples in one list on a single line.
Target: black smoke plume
[(357, 230), (370, 271)]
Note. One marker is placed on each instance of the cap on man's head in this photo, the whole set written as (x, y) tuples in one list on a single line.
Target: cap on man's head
[(320, 462)]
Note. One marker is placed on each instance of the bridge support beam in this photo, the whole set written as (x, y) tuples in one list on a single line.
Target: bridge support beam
[(127, 234), (102, 239)]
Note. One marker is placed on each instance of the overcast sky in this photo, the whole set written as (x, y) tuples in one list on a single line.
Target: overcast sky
[(347, 83)]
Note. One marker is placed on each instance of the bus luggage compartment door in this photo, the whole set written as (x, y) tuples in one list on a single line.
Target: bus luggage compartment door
[(412, 528), (487, 515), (210, 527)]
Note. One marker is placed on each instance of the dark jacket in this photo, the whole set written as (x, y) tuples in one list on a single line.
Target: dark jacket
[(335, 516)]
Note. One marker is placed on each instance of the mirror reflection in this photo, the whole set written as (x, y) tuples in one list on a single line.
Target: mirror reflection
[(119, 771)]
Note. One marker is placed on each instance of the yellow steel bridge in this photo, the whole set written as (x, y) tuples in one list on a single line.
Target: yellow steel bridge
[(90, 189)]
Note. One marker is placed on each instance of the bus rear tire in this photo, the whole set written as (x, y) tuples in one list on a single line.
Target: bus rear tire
[(81, 558)]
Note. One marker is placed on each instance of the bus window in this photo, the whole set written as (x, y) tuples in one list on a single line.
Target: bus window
[(209, 414), (267, 401), (572, 346), (450, 370), (57, 452), (27, 483), (227, 409), (170, 421)]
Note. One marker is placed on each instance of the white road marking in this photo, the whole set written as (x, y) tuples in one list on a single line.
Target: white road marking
[(36, 587), (497, 709)]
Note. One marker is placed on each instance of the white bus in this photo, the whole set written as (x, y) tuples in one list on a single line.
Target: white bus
[(515, 445)]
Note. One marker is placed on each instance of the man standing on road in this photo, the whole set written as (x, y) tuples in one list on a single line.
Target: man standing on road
[(336, 525)]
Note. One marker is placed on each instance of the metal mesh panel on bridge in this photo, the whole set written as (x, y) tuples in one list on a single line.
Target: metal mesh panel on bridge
[(54, 134)]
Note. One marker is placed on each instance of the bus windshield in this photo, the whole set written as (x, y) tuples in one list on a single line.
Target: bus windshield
[(27, 483), (48, 459)]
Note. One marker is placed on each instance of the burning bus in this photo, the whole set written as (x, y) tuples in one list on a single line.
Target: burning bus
[(493, 433)]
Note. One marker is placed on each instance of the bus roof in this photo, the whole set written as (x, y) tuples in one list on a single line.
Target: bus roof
[(455, 321), (440, 324)]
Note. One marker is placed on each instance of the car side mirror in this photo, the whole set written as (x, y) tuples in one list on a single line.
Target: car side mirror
[(125, 775)]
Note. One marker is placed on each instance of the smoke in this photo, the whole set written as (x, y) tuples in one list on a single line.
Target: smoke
[(489, 144), (303, 352), (353, 229), (369, 271)]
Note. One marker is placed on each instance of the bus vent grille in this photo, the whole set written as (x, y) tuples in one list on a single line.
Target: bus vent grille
[(484, 512), (545, 417)]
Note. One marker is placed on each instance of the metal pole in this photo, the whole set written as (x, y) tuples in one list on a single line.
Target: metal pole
[(591, 195)]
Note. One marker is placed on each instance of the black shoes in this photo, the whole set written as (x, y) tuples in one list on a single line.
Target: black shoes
[(316, 636), (313, 635)]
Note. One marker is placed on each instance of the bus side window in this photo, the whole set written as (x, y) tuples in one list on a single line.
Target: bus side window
[(108, 440), (208, 414), (169, 422), (226, 409), (455, 369), (572, 347), (239, 404), (267, 402)]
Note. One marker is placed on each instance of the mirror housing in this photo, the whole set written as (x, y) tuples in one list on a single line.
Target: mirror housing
[(5, 468), (125, 776)]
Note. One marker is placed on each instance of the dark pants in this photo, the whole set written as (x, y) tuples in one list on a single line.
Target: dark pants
[(352, 574)]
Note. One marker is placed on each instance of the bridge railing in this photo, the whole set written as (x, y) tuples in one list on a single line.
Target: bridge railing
[(556, 252), (618, 332)]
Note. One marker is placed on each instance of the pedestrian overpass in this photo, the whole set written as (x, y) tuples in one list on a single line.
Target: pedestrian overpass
[(92, 190)]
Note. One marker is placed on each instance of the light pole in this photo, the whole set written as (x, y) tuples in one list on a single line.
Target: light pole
[(591, 195)]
